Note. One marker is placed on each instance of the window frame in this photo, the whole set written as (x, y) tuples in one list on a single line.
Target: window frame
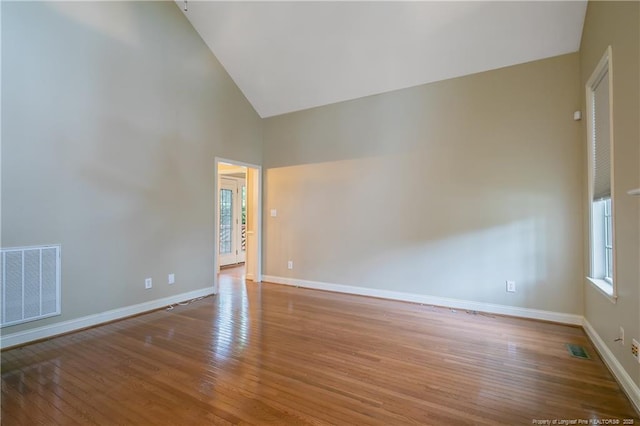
[(608, 242), (602, 281)]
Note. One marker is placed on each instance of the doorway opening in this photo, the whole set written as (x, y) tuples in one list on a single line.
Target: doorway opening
[(238, 219)]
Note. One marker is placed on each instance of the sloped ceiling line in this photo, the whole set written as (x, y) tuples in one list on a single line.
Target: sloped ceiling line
[(289, 56)]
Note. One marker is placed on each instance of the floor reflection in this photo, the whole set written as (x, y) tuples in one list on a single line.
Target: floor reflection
[(231, 325), (270, 354), (232, 333)]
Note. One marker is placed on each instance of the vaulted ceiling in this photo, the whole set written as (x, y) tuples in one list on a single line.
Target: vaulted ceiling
[(289, 56)]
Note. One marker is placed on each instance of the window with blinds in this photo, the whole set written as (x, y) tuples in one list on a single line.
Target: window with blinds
[(600, 143)]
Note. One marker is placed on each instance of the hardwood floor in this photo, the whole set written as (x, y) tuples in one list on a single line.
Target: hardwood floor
[(270, 354)]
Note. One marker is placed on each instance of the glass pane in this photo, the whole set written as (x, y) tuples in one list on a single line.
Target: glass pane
[(244, 205), (608, 239), (243, 245), (226, 220)]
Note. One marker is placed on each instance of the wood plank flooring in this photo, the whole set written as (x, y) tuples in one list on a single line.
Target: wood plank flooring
[(270, 354)]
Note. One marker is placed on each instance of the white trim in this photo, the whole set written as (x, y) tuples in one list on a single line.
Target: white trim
[(43, 246), (605, 65), (22, 337), (622, 377), (432, 300), (248, 274), (604, 287)]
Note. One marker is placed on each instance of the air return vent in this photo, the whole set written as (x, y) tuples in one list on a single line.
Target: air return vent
[(30, 283), (577, 351)]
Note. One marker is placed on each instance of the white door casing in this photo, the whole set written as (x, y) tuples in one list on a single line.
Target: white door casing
[(254, 219)]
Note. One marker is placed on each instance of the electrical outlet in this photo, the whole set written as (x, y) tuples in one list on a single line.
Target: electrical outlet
[(290, 264), (634, 349), (511, 286), (621, 336), (171, 279), (148, 283)]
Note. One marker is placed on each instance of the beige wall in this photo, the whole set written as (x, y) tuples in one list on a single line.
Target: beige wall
[(112, 115), (617, 24), (446, 189)]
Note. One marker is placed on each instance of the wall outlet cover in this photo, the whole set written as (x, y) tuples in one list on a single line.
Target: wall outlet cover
[(511, 286), (171, 279), (148, 283)]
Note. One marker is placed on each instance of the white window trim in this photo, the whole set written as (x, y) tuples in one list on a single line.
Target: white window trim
[(608, 289), (605, 288)]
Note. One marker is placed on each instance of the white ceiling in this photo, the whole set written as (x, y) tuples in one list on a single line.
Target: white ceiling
[(288, 56)]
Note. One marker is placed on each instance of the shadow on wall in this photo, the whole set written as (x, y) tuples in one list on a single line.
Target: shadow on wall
[(447, 189), (386, 223), (114, 114), (132, 165)]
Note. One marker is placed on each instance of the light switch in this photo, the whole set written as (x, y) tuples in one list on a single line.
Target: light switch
[(274, 213)]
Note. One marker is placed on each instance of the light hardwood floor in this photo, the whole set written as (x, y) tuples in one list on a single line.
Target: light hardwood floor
[(270, 354)]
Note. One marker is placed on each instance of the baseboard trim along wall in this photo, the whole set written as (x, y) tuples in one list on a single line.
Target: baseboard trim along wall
[(432, 300), (624, 379), (626, 382), (22, 337)]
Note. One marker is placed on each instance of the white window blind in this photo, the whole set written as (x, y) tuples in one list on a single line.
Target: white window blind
[(601, 139)]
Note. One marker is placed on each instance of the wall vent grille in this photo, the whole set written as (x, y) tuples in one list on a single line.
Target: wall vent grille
[(30, 283)]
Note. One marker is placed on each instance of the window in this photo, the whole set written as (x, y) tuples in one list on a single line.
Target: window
[(600, 142), (602, 241), (608, 244)]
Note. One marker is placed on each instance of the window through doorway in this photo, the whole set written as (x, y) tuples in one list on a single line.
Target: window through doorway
[(232, 224), (237, 220)]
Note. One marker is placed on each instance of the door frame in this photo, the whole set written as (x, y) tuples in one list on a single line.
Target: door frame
[(256, 211)]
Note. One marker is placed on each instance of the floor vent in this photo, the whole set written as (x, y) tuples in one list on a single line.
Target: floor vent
[(29, 283), (577, 351)]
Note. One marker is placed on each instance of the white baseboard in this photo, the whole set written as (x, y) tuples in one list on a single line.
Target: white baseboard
[(623, 378), (432, 300), (22, 337)]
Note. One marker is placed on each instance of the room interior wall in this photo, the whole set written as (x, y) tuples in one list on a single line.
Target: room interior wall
[(113, 114), (447, 189), (617, 24)]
